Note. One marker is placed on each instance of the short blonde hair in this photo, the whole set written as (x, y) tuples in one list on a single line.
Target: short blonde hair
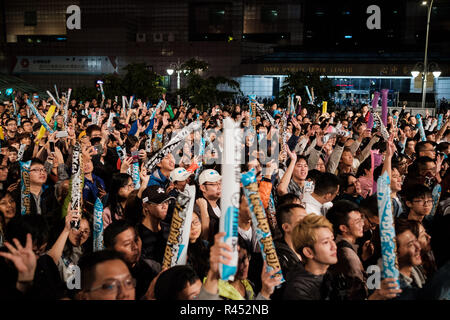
[(304, 234)]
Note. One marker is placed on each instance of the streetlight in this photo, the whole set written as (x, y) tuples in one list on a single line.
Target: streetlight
[(436, 74), (178, 70), (425, 61)]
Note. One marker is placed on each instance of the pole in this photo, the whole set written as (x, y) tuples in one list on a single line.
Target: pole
[(178, 87), (425, 62)]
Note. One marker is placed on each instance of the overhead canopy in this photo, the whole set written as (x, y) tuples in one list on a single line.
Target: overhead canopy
[(17, 84)]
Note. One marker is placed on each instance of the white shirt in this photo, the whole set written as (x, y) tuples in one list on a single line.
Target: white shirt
[(314, 206), (217, 211), (245, 234)]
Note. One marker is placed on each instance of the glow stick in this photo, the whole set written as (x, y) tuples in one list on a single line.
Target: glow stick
[(98, 225), (171, 145), (383, 130), (370, 121), (435, 194), (376, 96), (387, 230), (66, 108), (25, 193), (180, 228), (101, 89), (309, 95), (260, 223), (77, 186), (440, 118), (252, 107), (135, 175), (21, 152), (229, 203), (53, 98), (384, 106), (420, 125), (57, 94), (324, 107), (39, 116)]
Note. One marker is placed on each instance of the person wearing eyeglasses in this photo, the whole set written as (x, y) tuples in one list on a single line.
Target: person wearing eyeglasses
[(11, 129), (350, 188), (419, 201), (425, 149), (153, 231), (70, 245), (211, 188), (43, 200), (106, 276), (123, 238)]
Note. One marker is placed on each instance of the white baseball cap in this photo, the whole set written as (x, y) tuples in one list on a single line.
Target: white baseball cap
[(179, 174), (209, 175)]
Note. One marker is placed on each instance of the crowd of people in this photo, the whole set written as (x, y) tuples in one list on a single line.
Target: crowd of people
[(319, 194)]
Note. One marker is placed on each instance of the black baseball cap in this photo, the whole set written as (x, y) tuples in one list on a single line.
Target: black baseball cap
[(155, 194)]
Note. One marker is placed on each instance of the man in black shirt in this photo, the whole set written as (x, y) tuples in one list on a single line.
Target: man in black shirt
[(152, 230)]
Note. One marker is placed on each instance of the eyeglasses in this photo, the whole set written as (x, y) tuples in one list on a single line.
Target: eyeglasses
[(212, 184), (129, 186), (112, 286), (424, 202), (38, 170), (196, 222)]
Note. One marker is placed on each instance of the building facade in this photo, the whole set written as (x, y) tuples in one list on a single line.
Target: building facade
[(254, 41)]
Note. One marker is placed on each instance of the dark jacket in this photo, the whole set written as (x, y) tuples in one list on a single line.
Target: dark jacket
[(144, 273), (105, 171), (154, 243), (50, 209), (302, 285), (158, 179), (288, 259), (213, 223), (350, 268), (90, 189)]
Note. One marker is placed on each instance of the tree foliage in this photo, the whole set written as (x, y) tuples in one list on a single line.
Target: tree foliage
[(203, 91), (141, 82), (138, 81), (296, 82)]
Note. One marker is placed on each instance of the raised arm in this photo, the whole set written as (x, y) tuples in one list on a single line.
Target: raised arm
[(57, 249), (283, 185)]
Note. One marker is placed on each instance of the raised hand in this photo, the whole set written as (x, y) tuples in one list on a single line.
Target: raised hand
[(24, 259), (145, 177), (126, 164), (390, 147), (269, 281), (291, 154), (387, 291), (220, 252)]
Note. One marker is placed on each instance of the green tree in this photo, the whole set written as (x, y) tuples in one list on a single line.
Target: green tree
[(202, 91), (296, 82), (86, 93), (141, 82), (113, 86)]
